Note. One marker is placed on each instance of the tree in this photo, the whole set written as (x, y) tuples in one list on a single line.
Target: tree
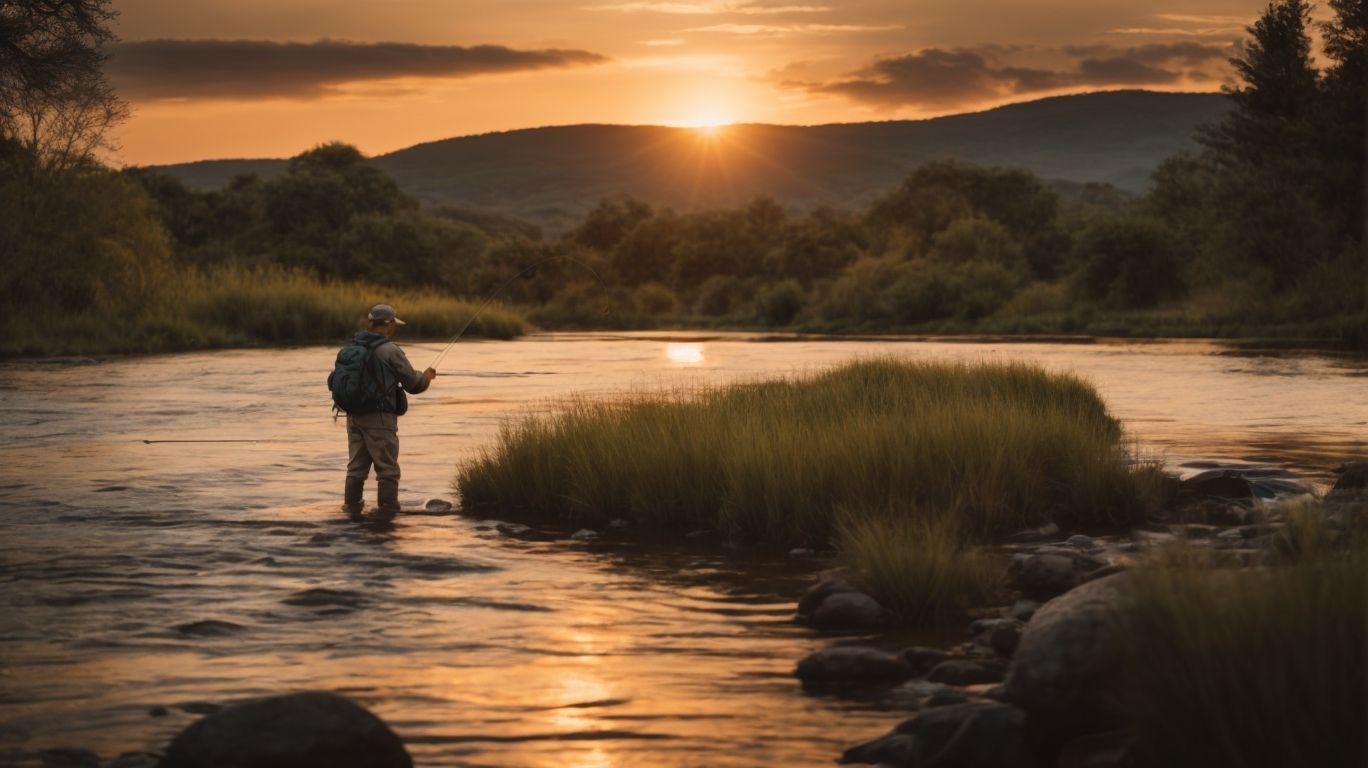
[(1346, 86), (54, 100)]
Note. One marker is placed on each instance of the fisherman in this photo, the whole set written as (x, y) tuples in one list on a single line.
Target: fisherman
[(373, 435)]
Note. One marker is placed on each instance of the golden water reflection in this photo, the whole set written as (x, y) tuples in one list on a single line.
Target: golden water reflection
[(684, 353)]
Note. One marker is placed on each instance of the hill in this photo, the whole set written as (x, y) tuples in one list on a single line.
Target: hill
[(552, 175)]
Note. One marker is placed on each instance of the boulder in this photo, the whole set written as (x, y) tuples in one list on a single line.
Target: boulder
[(976, 734), (966, 672), (1023, 610), (1002, 635), (1066, 666), (1217, 484), (852, 665), (1043, 576), (850, 611), (302, 730)]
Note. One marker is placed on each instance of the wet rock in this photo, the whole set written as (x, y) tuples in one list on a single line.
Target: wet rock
[(303, 730), (978, 734), (852, 665), (1085, 543), (523, 532), (850, 611), (158, 711), (825, 588), (584, 535), (1218, 484), (966, 672), (947, 697), (1047, 532), (1347, 501), (209, 628), (1042, 577), (69, 757), (619, 522), (803, 553), (1065, 668), (1023, 610), (437, 506), (922, 659), (199, 707), (1002, 635), (134, 760)]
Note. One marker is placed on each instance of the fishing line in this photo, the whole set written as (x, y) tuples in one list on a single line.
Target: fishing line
[(500, 289), (261, 440)]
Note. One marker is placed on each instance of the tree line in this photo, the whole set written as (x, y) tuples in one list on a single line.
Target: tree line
[(1259, 230)]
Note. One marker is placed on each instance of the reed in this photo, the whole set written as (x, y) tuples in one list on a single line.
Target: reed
[(1250, 668)]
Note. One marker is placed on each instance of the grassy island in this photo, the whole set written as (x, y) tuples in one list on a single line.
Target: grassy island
[(901, 465)]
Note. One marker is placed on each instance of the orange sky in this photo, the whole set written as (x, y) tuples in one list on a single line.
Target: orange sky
[(270, 78)]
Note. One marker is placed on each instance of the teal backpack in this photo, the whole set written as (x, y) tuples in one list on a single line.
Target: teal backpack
[(356, 383)]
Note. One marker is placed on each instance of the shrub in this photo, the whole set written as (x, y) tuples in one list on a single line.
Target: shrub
[(780, 303)]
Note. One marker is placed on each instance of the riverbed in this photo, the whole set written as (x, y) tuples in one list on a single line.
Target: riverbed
[(148, 576)]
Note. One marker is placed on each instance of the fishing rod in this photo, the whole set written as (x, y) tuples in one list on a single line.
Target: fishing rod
[(500, 289), (259, 440)]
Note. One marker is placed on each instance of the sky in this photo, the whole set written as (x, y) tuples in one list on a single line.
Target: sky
[(272, 78)]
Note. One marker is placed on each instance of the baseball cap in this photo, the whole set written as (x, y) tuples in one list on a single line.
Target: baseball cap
[(383, 313)]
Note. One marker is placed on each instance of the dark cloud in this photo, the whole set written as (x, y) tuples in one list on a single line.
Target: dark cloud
[(255, 69), (937, 78)]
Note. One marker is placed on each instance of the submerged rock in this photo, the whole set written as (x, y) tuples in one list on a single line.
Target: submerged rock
[(819, 592), (437, 506), (1217, 484), (922, 659), (967, 672), (584, 535), (523, 532), (303, 730), (977, 734), (1065, 668)]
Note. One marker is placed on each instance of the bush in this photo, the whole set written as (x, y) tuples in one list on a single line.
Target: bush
[(780, 303), (1129, 261)]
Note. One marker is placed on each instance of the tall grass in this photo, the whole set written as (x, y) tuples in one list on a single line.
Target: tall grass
[(979, 450), (1249, 668), (235, 306)]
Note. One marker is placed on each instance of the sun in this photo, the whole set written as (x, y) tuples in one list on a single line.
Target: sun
[(708, 123)]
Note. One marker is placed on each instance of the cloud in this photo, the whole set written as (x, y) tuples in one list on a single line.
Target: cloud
[(776, 30), (938, 78), (1192, 25), (709, 8), (259, 69)]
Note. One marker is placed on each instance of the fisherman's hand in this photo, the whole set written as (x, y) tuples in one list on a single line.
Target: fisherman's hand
[(430, 374)]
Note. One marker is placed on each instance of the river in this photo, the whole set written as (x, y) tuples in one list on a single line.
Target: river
[(140, 576)]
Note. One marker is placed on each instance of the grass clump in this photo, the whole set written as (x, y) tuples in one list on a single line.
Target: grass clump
[(1249, 668), (872, 455)]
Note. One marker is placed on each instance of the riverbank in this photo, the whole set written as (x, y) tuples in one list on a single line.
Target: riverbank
[(244, 308)]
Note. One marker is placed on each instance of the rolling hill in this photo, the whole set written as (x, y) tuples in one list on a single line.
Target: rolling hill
[(552, 176)]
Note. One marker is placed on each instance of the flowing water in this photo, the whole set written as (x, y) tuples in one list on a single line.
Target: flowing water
[(138, 576)]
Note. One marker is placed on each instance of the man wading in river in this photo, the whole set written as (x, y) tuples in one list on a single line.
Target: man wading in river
[(370, 382)]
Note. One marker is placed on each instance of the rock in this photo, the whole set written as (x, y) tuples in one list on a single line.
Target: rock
[(1353, 476), (1001, 635), (977, 734), (584, 535), (1047, 532), (303, 730), (803, 553), (966, 672), (158, 711), (825, 588), (1066, 665), (68, 757), (1023, 610), (134, 760), (852, 665), (1217, 483), (1103, 572), (895, 749), (1079, 541), (619, 522), (921, 659), (996, 693), (523, 532), (1349, 497), (946, 698), (199, 707), (850, 611), (1042, 577), (437, 506)]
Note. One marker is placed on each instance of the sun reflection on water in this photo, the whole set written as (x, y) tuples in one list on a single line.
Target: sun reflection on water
[(684, 354)]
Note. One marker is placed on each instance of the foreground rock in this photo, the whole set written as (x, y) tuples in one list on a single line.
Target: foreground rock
[(303, 730), (978, 734), (1066, 665), (1051, 571)]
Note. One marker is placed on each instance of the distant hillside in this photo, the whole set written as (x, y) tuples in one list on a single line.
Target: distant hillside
[(551, 176)]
